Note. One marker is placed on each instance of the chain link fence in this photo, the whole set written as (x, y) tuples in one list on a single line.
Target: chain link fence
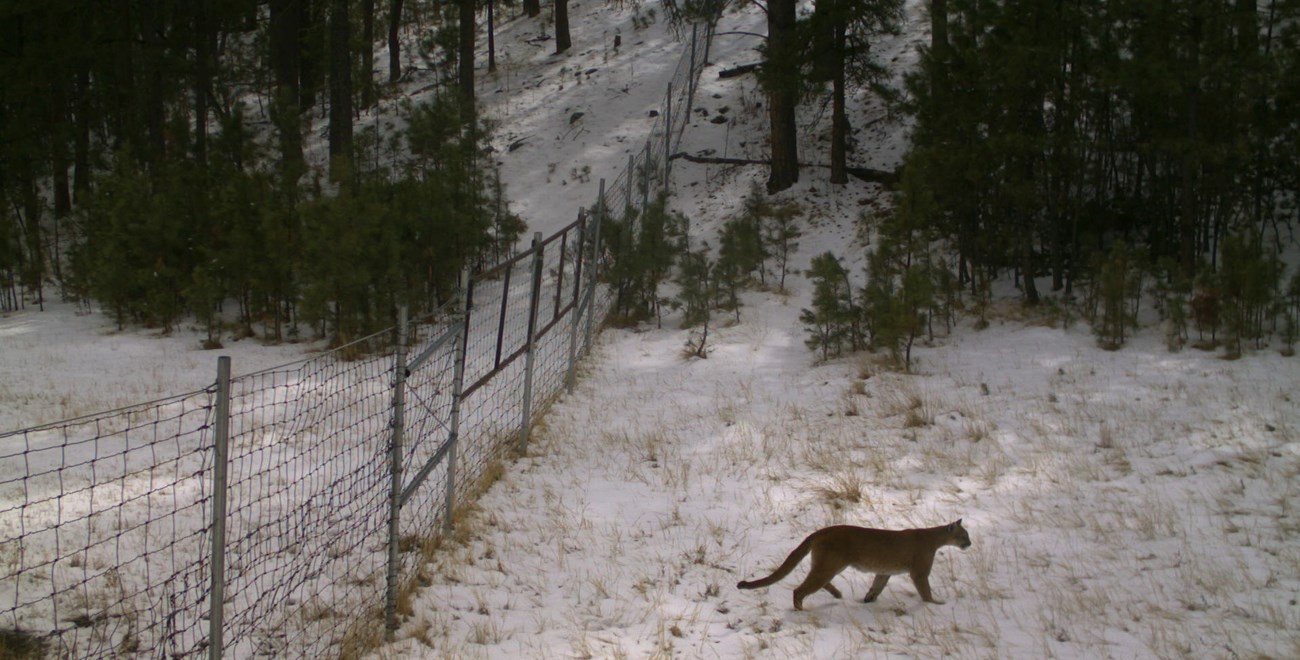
[(281, 513)]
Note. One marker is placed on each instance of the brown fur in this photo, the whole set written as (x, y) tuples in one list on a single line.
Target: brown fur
[(885, 552)]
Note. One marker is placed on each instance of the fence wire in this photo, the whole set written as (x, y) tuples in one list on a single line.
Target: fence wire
[(103, 532), (106, 527), (308, 502)]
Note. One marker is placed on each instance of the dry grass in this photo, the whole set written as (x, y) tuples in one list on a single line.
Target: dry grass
[(1074, 533), (907, 402), (849, 404), (843, 489), (18, 645)]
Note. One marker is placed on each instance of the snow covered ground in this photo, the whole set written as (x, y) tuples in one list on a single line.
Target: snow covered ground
[(1128, 504), (1122, 504)]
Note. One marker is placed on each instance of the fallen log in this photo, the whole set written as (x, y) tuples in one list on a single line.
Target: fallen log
[(740, 70), (883, 177)]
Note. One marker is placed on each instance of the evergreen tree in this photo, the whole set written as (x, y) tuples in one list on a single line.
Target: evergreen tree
[(781, 237), (754, 213), (697, 293), (1172, 291), (1291, 315), (736, 260), (740, 247), (1248, 287), (831, 323), (1118, 283), (643, 253), (696, 287), (1047, 131), (780, 80), (901, 293), (465, 63), (840, 37), (340, 68)]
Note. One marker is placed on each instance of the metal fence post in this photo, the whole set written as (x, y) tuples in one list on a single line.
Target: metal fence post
[(668, 133), (457, 386), (594, 268), (395, 473), (709, 30), (220, 463), (577, 300), (645, 183), (530, 356), (631, 181), (690, 77)]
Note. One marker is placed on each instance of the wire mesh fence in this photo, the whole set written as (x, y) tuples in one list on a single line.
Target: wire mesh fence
[(103, 530), (279, 512), (307, 502)]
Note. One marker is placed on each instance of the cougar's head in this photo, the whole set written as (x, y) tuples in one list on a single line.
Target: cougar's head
[(958, 536)]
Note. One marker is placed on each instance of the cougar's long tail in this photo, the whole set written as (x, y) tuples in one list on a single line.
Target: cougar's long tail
[(784, 569)]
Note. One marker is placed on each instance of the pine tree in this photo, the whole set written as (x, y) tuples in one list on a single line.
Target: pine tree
[(1172, 291), (831, 323), (1049, 130), (780, 80), (781, 236), (340, 69), (696, 287), (901, 294), (736, 260), (842, 32), (1118, 283), (1248, 284), (1290, 304)]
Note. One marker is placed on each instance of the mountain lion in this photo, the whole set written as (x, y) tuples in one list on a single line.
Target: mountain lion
[(885, 552)]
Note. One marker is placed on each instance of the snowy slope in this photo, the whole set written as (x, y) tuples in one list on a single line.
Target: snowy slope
[(1127, 504)]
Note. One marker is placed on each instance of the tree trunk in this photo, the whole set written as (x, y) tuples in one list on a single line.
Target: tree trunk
[(34, 271), (394, 45), (826, 14), (153, 33), (286, 65), (285, 46), (202, 76), (492, 36), (939, 49), (562, 40), (60, 91), (340, 66), (465, 71), (839, 119), (367, 54), (532, 8), (311, 49), (1027, 267), (81, 129), (59, 163), (781, 73), (1188, 164)]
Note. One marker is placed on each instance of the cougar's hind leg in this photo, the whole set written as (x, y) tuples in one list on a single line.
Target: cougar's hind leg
[(830, 589), (877, 586), (818, 578)]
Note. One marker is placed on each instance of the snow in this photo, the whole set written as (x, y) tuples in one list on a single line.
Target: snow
[(1136, 503), (1127, 504)]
